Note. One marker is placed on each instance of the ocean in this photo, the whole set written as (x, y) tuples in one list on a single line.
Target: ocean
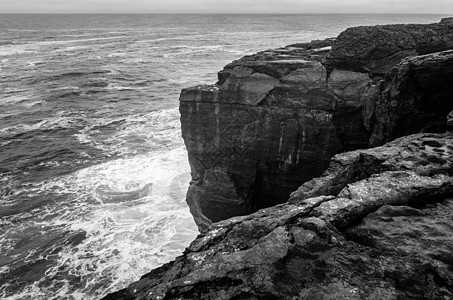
[(93, 169)]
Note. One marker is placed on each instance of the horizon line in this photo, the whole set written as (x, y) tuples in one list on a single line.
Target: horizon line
[(232, 13)]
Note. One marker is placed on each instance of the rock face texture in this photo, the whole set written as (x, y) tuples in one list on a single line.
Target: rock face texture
[(274, 119), (377, 223), (412, 95), (382, 230), (377, 49)]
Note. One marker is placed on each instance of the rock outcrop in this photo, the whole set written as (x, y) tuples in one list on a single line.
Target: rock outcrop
[(379, 227), (377, 49), (375, 225), (274, 119), (411, 97)]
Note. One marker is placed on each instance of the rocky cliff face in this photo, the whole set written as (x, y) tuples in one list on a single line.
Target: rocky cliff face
[(274, 119), (376, 225)]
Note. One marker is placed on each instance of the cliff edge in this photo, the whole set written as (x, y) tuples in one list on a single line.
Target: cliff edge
[(383, 231), (368, 223), (274, 119)]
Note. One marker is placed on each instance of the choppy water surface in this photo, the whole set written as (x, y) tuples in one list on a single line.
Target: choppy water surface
[(93, 171)]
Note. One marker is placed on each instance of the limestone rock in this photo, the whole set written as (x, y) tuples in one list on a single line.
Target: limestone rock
[(274, 119), (424, 154), (416, 97), (385, 235), (246, 157), (376, 49)]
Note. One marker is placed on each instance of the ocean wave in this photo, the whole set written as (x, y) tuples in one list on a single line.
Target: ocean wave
[(108, 242), (141, 133), (35, 63), (119, 87), (10, 98), (73, 49), (59, 42), (33, 103), (95, 84), (107, 194), (77, 73), (14, 50), (45, 124), (187, 51)]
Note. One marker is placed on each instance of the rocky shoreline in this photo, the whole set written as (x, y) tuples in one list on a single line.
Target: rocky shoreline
[(291, 203), (274, 119)]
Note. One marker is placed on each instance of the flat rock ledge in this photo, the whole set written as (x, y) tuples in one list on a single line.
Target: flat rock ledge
[(376, 225)]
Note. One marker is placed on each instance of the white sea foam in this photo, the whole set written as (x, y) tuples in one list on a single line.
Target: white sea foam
[(142, 133), (34, 63), (59, 42), (124, 239), (73, 48), (48, 123), (117, 86), (12, 130), (12, 99), (14, 50), (128, 234), (33, 103)]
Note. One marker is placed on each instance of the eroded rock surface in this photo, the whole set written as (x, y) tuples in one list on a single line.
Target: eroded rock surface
[(377, 49), (382, 234), (412, 96), (274, 119)]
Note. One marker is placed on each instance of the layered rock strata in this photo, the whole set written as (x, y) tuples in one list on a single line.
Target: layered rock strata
[(274, 119), (382, 230)]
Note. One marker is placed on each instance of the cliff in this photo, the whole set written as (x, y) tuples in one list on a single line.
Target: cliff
[(274, 119), (363, 224), (384, 232)]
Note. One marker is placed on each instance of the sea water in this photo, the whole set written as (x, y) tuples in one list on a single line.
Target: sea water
[(93, 169)]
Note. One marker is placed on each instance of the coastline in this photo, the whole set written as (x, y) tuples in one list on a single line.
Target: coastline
[(323, 242)]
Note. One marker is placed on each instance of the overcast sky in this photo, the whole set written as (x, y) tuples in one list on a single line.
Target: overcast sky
[(230, 6)]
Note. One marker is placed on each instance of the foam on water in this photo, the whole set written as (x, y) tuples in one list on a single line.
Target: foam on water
[(48, 123), (93, 169), (12, 99), (13, 50), (124, 239), (141, 133)]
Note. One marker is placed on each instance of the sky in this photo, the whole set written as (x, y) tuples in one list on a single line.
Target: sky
[(228, 6)]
